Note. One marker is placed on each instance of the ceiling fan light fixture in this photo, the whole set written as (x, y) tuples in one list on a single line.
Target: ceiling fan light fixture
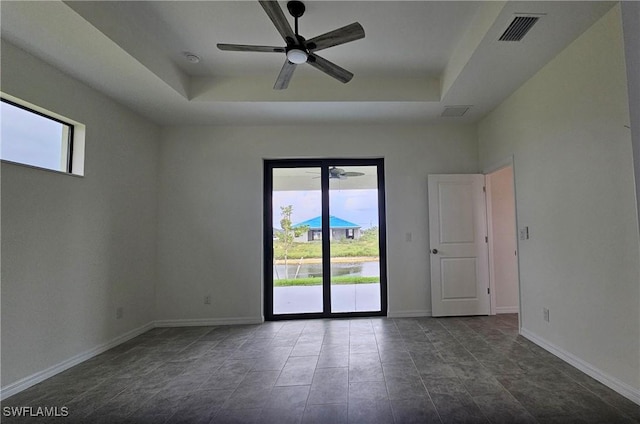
[(297, 56)]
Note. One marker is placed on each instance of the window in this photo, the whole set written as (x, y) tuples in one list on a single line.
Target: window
[(36, 138), (350, 233)]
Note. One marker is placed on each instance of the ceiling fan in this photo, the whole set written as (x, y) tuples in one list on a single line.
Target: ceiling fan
[(340, 174), (298, 49)]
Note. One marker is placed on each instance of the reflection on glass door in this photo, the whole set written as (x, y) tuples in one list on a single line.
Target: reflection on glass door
[(297, 240), (324, 238), (354, 242)]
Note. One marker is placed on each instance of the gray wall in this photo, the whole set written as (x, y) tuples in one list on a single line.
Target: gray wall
[(631, 28), (74, 249), (211, 192), (575, 191)]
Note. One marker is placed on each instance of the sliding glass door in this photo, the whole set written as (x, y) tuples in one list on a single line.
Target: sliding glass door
[(324, 238)]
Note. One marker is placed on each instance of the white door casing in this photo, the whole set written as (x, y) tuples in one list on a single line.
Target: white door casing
[(458, 245)]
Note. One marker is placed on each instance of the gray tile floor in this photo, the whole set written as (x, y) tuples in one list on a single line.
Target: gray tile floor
[(423, 370)]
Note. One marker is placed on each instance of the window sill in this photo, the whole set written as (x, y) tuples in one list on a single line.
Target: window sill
[(38, 168)]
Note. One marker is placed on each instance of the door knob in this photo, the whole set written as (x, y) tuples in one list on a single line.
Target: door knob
[(434, 251)]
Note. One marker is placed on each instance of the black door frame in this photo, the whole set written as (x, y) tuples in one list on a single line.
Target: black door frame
[(323, 164)]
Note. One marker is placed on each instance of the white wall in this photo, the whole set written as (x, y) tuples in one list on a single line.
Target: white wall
[(504, 271), (74, 249), (575, 191), (211, 213)]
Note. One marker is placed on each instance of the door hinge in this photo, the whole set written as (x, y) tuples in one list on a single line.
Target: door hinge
[(486, 239), (488, 290), (484, 189)]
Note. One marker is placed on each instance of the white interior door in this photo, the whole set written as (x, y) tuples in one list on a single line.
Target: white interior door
[(457, 238)]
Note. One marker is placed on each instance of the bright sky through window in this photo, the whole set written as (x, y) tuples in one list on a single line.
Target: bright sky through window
[(358, 206), (32, 139)]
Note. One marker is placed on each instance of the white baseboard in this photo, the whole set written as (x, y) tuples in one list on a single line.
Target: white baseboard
[(203, 322), (416, 313), (613, 383), (507, 309), (33, 379)]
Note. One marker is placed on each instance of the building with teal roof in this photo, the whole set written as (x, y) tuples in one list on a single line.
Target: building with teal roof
[(340, 229)]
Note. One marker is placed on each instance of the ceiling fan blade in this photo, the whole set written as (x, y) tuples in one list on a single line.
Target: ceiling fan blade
[(285, 75), (336, 37), (353, 174), (248, 48), (329, 68), (279, 20)]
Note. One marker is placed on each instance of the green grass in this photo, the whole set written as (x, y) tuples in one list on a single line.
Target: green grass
[(367, 245), (316, 281), (339, 249)]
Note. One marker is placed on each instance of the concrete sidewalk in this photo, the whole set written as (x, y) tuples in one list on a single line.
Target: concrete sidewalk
[(344, 298)]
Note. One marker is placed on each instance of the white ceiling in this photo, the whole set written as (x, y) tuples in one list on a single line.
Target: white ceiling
[(417, 56)]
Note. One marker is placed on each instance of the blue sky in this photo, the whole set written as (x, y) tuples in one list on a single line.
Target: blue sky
[(357, 206), (29, 138)]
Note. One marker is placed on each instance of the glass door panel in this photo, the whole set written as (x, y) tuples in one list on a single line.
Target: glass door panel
[(296, 199), (354, 239)]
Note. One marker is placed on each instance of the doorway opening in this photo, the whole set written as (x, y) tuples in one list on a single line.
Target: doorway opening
[(324, 238), (503, 244)]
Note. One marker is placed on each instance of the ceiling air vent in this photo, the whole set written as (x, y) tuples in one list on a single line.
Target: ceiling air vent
[(518, 28), (454, 111)]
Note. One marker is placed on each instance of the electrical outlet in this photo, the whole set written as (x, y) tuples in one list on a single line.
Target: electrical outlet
[(545, 314), (207, 299), (119, 312)]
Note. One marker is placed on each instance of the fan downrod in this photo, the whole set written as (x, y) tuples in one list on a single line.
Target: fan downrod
[(296, 8)]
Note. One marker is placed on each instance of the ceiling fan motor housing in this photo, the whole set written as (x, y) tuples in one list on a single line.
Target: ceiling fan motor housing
[(296, 8)]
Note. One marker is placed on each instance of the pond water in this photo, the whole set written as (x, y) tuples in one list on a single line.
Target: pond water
[(356, 269)]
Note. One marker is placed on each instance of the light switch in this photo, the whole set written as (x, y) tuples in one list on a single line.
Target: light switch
[(524, 233)]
